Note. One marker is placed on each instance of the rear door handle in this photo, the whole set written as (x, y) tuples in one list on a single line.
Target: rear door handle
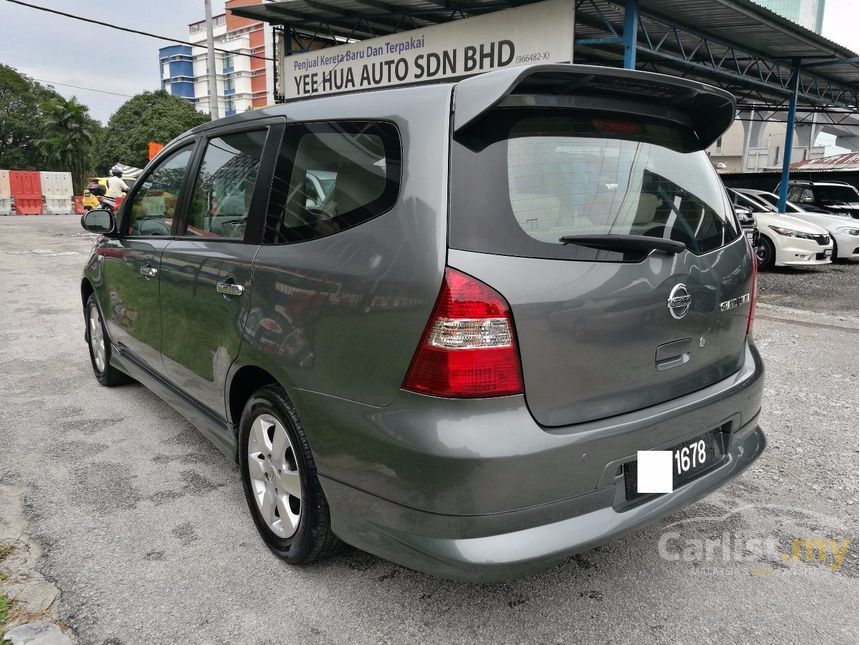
[(148, 271), (230, 288), (673, 354)]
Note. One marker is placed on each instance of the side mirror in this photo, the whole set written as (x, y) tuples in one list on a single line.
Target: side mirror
[(99, 221)]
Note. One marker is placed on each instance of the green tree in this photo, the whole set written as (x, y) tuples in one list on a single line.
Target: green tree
[(151, 116), (68, 137), (21, 120)]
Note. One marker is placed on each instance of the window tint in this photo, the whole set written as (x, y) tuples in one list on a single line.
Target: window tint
[(521, 182), (835, 194), (330, 177), (221, 201), (154, 205)]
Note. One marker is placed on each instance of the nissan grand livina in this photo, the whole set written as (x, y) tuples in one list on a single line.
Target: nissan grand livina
[(452, 355)]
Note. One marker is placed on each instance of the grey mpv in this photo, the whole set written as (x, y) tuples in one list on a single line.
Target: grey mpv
[(439, 322)]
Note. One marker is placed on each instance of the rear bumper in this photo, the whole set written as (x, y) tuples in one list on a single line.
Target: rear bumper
[(379, 527), (478, 490)]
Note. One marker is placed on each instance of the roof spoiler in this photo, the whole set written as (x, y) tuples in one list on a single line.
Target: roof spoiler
[(704, 109)]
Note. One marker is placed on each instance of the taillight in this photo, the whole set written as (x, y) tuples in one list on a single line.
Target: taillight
[(468, 349), (753, 294)]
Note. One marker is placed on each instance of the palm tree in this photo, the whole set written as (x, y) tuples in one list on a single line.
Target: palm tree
[(69, 133)]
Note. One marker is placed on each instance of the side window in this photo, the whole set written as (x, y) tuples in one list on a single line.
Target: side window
[(330, 177), (746, 202), (221, 200), (154, 205)]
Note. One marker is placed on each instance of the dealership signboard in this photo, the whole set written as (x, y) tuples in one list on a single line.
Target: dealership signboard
[(536, 33)]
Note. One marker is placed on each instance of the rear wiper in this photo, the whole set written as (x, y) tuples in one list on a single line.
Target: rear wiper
[(625, 243)]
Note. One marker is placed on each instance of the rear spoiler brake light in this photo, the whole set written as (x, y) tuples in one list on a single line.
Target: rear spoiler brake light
[(704, 109)]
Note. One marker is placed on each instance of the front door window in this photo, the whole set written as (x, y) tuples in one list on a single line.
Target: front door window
[(153, 206), (221, 201)]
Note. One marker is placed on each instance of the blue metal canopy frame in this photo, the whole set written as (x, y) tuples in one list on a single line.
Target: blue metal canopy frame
[(755, 79)]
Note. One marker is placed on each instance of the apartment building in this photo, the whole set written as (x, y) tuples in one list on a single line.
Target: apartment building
[(243, 81)]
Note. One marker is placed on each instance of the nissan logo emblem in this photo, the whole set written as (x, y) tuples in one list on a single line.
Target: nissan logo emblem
[(679, 301)]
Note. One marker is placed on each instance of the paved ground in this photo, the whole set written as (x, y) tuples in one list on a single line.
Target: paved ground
[(829, 289), (144, 528)]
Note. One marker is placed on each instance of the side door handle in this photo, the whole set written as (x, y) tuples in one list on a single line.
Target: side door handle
[(230, 288), (148, 271)]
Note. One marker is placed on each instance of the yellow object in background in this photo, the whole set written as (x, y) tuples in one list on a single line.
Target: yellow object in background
[(91, 201)]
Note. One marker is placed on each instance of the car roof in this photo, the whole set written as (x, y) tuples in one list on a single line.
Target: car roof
[(812, 182), (706, 109), (358, 105)]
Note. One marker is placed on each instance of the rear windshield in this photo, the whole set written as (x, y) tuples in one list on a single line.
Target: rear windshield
[(521, 181), (835, 194)]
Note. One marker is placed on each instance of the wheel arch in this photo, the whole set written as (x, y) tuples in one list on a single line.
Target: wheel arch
[(87, 290), (246, 380), (766, 237)]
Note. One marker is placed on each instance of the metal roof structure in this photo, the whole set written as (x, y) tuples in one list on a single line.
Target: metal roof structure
[(846, 161), (734, 44)]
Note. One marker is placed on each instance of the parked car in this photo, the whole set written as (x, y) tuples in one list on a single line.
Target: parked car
[(842, 228), (452, 360), (830, 196), (747, 221), (785, 241)]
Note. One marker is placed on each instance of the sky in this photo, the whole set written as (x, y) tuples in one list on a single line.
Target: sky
[(57, 49)]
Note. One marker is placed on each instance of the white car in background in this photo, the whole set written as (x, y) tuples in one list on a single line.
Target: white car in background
[(785, 241), (844, 229)]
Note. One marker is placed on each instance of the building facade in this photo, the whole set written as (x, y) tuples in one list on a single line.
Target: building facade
[(753, 144), (243, 67), (806, 13), (757, 145)]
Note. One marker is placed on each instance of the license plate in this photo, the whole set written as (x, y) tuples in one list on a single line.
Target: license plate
[(689, 459), (828, 253), (692, 457)]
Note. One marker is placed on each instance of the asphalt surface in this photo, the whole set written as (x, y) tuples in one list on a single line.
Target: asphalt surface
[(144, 529), (830, 289)]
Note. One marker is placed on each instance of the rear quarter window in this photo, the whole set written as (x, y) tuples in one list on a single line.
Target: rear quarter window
[(330, 177)]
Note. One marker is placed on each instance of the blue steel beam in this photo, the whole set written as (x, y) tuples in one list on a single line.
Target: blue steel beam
[(789, 136), (631, 27), (835, 61), (673, 43), (608, 40)]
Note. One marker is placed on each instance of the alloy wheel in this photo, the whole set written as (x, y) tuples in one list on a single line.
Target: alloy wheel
[(97, 340), (274, 474)]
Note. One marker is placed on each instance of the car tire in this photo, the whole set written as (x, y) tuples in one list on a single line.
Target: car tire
[(99, 346), (279, 477), (834, 259), (765, 253)]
